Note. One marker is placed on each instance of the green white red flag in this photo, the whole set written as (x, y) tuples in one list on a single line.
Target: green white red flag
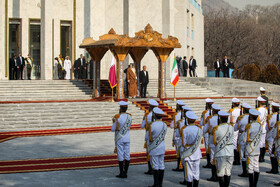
[(174, 73)]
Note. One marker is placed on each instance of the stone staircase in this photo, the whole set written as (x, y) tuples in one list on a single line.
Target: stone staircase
[(184, 89), (38, 90), (37, 116), (237, 87)]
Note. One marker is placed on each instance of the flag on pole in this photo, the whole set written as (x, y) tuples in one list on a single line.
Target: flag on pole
[(174, 73), (112, 74)]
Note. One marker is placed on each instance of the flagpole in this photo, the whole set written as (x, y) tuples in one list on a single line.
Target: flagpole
[(174, 99), (112, 96)]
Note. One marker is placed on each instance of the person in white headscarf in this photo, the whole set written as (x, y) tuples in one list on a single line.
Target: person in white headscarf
[(67, 67)]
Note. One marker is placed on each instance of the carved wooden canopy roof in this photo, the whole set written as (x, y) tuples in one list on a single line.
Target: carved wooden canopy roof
[(147, 38)]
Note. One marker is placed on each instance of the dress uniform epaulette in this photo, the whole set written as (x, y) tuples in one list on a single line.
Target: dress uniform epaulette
[(230, 110), (199, 126), (248, 126), (178, 123), (208, 118), (129, 114), (269, 116), (240, 117), (175, 114), (117, 116), (204, 112)]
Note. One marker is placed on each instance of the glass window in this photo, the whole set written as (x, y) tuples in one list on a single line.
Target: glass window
[(188, 31), (195, 4), (192, 34), (199, 7), (65, 39), (191, 1), (35, 48)]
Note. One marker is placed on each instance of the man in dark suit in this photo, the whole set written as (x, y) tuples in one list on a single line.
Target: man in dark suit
[(217, 66), (192, 66), (21, 65), (185, 66), (15, 68), (225, 66), (80, 67), (144, 81)]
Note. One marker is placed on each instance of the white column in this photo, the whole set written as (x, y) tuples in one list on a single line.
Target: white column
[(2, 40), (46, 40)]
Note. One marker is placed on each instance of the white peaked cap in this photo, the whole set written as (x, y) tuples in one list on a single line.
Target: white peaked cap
[(153, 102), (216, 107), (123, 103), (186, 108), (179, 102), (275, 104), (208, 100), (246, 105), (235, 100), (191, 115), (262, 89), (158, 111), (223, 113), (254, 112), (261, 99)]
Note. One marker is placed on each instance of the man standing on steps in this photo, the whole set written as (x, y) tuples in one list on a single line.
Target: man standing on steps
[(272, 119), (147, 120), (225, 66), (253, 133), (239, 126), (222, 137), (21, 65), (144, 81), (185, 66), (234, 114), (173, 125), (192, 67), (121, 126), (211, 122), (207, 112), (156, 146), (217, 66), (262, 119)]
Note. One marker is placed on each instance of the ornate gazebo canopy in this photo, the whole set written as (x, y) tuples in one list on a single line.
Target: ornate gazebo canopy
[(137, 47)]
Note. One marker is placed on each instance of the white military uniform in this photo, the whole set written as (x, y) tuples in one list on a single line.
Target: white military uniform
[(223, 137), (276, 136), (156, 154), (208, 128), (173, 125), (271, 121), (251, 132), (123, 144), (239, 126), (262, 120), (234, 114), (203, 121), (192, 162)]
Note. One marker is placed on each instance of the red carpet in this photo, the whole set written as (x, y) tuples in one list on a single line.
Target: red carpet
[(71, 163), (4, 136)]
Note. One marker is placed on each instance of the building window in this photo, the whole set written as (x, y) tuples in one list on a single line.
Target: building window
[(188, 30), (195, 4), (199, 8), (66, 39), (191, 1)]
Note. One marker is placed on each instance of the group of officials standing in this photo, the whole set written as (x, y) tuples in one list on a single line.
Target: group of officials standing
[(226, 66), (184, 66), (239, 134), (17, 66)]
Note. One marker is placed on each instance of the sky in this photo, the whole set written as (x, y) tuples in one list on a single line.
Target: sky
[(242, 3)]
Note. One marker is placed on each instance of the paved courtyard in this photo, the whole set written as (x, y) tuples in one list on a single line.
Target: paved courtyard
[(97, 144)]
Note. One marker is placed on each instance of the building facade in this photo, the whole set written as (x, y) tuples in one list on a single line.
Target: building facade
[(47, 28)]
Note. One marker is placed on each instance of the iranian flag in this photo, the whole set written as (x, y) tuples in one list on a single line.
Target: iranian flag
[(174, 74), (112, 74)]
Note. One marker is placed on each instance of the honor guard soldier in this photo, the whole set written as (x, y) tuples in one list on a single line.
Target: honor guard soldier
[(173, 125), (234, 114), (121, 126), (207, 112), (239, 126), (253, 133), (272, 119), (276, 136), (262, 93), (191, 137), (156, 146), (147, 119), (212, 121), (262, 119), (180, 125), (223, 137)]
